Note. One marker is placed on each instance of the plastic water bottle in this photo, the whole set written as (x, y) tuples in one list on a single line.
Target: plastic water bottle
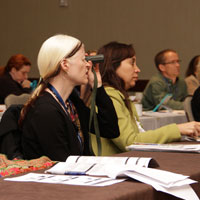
[(33, 85)]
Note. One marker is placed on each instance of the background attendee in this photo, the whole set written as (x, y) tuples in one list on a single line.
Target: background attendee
[(167, 81), (55, 122), (85, 90), (195, 104), (15, 77), (193, 75), (119, 73)]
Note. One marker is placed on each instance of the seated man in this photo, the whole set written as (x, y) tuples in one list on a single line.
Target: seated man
[(165, 82)]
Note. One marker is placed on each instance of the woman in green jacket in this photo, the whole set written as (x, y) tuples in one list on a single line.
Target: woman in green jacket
[(119, 73)]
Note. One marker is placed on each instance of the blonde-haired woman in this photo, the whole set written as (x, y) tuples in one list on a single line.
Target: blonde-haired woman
[(55, 121)]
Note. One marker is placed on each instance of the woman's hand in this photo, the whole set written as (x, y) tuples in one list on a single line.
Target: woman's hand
[(191, 129), (91, 75)]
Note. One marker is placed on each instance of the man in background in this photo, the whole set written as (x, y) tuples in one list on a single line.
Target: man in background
[(165, 82)]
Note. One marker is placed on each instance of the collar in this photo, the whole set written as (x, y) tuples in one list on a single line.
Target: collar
[(167, 80)]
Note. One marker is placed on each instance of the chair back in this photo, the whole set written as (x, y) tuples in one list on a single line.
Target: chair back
[(188, 108), (13, 99), (2, 70), (10, 133)]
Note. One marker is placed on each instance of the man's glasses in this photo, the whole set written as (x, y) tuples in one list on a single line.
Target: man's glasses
[(173, 62)]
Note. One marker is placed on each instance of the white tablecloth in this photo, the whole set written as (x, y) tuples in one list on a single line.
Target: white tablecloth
[(2, 110), (153, 120)]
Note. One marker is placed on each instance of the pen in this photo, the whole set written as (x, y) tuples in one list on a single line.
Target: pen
[(74, 173)]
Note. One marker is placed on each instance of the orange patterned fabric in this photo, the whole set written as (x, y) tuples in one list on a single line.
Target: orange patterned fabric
[(12, 167)]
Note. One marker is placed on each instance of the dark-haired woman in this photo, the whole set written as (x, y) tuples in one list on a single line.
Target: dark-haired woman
[(15, 77), (119, 73)]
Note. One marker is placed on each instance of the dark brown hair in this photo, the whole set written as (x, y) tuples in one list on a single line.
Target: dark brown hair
[(17, 61), (192, 66), (114, 53)]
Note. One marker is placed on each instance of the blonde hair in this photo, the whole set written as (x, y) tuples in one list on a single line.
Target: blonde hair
[(51, 53)]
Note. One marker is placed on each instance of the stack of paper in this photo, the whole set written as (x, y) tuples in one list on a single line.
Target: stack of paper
[(168, 182)]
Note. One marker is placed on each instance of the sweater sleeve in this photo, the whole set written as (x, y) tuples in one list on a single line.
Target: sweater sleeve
[(106, 115)]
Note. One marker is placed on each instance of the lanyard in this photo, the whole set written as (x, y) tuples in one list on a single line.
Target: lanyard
[(53, 89)]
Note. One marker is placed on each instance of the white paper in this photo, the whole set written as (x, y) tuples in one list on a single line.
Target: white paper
[(111, 160), (165, 147), (184, 192), (64, 179), (115, 167), (87, 163)]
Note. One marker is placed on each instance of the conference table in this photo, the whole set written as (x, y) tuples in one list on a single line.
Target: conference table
[(152, 120), (182, 163)]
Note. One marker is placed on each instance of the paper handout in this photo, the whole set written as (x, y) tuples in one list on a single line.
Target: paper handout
[(68, 180), (125, 167), (190, 148), (98, 165)]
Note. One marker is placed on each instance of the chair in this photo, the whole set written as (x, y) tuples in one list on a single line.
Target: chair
[(188, 108), (2, 70), (13, 99), (10, 134)]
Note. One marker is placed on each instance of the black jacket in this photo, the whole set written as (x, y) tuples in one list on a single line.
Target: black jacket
[(195, 103), (10, 134), (47, 130), (10, 86)]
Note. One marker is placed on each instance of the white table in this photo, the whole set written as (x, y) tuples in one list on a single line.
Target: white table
[(153, 120), (2, 110)]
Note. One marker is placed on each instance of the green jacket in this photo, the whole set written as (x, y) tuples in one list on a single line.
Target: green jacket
[(129, 132), (158, 87)]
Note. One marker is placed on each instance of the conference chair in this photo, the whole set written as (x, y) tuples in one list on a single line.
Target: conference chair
[(13, 99), (1, 70), (188, 108)]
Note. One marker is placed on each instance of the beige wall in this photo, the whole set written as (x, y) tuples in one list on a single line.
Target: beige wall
[(151, 25)]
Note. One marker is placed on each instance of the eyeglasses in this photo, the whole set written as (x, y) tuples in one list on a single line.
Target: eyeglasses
[(172, 62)]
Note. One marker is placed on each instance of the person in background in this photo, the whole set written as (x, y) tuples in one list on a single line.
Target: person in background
[(193, 75), (195, 105), (119, 73), (55, 121), (166, 81), (91, 52), (85, 90), (15, 77)]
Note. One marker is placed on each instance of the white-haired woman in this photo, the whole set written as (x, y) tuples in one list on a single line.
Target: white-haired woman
[(55, 121)]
